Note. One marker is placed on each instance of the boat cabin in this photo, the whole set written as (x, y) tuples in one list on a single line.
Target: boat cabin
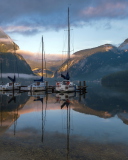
[(66, 82)]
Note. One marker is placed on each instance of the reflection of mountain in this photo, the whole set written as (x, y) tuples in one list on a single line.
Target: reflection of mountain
[(123, 117), (9, 110), (102, 102), (13, 105), (6, 120), (87, 110)]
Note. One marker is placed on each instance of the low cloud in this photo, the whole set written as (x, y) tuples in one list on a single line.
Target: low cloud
[(26, 76), (4, 40), (36, 56)]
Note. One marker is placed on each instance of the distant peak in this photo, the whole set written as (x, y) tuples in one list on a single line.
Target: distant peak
[(124, 45), (126, 40)]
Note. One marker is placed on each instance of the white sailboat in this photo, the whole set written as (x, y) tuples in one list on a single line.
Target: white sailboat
[(11, 85), (38, 85), (66, 85)]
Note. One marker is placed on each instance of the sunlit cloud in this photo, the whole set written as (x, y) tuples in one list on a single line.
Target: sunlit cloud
[(23, 29), (4, 40), (107, 10)]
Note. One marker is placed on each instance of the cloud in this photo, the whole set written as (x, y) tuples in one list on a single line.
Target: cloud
[(21, 75), (36, 56), (30, 17), (4, 40)]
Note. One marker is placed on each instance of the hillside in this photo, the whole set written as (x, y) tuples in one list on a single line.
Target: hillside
[(14, 63), (49, 67), (10, 61), (116, 79), (93, 64), (124, 45), (6, 43)]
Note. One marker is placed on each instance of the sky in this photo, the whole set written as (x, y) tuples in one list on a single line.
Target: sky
[(93, 23)]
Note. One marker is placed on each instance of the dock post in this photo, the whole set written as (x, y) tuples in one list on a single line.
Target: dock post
[(84, 83), (84, 86), (52, 89), (79, 91), (80, 87)]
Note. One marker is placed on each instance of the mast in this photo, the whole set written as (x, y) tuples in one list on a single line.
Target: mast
[(68, 40), (68, 36), (42, 54)]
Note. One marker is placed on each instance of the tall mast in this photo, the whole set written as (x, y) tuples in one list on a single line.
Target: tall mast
[(68, 41), (42, 54), (68, 36)]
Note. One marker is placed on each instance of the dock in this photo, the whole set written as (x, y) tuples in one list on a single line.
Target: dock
[(81, 88)]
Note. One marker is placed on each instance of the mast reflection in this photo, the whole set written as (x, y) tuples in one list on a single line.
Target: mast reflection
[(66, 98), (40, 97)]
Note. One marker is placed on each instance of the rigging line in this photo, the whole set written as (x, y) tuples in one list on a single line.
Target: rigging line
[(13, 44), (16, 60), (45, 65), (64, 46), (72, 40), (37, 54)]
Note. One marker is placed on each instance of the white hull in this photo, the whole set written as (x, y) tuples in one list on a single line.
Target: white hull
[(65, 86), (9, 86), (37, 86)]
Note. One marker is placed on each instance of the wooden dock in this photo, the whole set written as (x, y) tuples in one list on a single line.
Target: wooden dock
[(51, 89)]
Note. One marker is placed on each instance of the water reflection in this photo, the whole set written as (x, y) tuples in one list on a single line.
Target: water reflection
[(10, 103), (66, 97), (66, 125), (39, 97)]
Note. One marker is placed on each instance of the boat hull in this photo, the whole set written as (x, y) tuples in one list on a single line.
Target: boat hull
[(65, 88), (9, 87)]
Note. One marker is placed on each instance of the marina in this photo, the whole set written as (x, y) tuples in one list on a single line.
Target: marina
[(63, 80)]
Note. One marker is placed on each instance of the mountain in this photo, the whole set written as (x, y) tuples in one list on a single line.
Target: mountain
[(46, 73), (51, 67), (11, 62), (124, 45), (94, 63), (6, 43), (14, 63)]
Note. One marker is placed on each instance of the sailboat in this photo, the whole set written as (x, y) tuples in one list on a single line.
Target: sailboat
[(66, 85), (39, 84)]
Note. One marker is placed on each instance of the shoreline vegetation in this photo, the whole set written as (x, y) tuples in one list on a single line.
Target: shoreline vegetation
[(118, 79)]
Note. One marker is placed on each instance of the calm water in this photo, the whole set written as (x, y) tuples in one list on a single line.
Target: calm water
[(61, 126)]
